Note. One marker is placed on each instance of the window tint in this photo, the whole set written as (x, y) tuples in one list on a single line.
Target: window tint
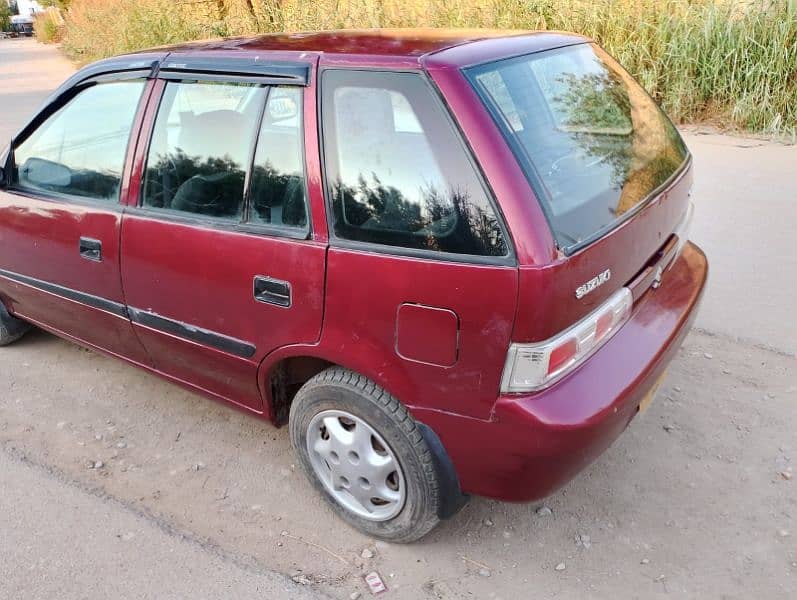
[(397, 172), (278, 188), (200, 148), (590, 139), (80, 149)]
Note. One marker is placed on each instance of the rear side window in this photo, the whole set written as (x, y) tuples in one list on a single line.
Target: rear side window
[(397, 172), (200, 148), (80, 149)]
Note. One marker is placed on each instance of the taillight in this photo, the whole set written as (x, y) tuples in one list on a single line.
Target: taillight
[(531, 367), (682, 230)]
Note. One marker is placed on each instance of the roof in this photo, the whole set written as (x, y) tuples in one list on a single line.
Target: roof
[(385, 42)]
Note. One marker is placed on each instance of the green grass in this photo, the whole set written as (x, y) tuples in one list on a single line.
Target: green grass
[(732, 63)]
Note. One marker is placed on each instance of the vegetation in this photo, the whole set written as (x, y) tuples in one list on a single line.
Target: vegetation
[(5, 17), (732, 62), (47, 26)]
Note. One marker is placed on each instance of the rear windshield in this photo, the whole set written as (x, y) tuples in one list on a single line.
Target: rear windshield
[(592, 142)]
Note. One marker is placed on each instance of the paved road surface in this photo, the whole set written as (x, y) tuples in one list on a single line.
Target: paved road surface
[(197, 500)]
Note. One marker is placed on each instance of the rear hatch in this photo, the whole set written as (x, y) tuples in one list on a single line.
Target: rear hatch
[(609, 169)]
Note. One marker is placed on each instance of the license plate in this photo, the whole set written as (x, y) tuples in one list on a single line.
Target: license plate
[(648, 399)]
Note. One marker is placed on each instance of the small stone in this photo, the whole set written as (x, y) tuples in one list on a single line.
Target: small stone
[(507, 535), (61, 424), (677, 388), (484, 572), (783, 533), (98, 436), (544, 511), (302, 580), (198, 466), (367, 553), (669, 427), (283, 533), (121, 445), (786, 475), (644, 561), (99, 464), (560, 567), (257, 506), (488, 522), (354, 595), (583, 540), (708, 356)]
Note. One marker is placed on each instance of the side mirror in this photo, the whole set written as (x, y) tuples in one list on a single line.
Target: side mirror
[(45, 173)]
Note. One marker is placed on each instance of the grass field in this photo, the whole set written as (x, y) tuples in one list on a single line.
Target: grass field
[(732, 63)]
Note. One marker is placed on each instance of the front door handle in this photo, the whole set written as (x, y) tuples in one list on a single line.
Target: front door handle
[(272, 291), (91, 249)]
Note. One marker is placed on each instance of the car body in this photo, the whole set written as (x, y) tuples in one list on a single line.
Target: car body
[(450, 307)]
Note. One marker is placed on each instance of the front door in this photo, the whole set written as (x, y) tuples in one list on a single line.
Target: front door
[(219, 264), (60, 217)]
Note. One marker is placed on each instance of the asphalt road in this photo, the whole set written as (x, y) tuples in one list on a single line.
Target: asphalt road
[(695, 500)]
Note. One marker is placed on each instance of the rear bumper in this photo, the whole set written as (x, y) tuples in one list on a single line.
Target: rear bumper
[(536, 443)]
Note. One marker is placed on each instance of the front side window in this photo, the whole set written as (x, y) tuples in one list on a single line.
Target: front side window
[(397, 172), (200, 148), (591, 140), (80, 149)]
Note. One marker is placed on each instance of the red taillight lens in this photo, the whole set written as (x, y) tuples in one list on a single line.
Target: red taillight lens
[(562, 354)]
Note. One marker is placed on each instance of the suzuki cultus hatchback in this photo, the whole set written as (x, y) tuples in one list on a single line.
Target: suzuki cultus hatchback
[(452, 262)]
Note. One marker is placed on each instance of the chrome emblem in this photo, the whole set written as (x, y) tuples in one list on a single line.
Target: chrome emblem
[(596, 281)]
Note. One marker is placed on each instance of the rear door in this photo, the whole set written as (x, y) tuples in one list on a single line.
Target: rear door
[(220, 265), (60, 216), (422, 282)]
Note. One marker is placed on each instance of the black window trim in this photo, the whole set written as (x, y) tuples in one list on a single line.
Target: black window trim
[(509, 259), (223, 223), (48, 111), (269, 72), (528, 167)]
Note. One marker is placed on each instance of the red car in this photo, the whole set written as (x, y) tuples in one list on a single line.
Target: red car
[(452, 262)]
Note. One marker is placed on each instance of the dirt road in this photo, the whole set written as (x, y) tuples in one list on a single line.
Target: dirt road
[(695, 500)]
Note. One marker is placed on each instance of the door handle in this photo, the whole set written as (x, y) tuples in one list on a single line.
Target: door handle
[(272, 291), (91, 249)]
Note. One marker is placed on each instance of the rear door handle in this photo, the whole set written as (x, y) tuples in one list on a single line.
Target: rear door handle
[(272, 291), (91, 249)]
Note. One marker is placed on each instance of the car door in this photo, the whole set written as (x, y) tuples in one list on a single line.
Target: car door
[(219, 262), (60, 215), (415, 232)]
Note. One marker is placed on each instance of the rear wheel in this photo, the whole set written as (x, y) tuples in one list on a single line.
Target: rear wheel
[(366, 456), (11, 328)]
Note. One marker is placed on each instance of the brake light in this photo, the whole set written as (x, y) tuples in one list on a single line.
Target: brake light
[(531, 367)]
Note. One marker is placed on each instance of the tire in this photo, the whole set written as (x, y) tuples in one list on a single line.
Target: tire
[(11, 328), (365, 405)]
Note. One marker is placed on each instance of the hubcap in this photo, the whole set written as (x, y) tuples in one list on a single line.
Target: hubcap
[(356, 465)]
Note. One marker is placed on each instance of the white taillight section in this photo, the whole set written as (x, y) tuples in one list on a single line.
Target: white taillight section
[(683, 229), (531, 367)]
